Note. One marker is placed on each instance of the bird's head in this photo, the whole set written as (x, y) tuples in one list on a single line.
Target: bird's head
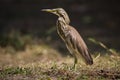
[(56, 11), (59, 12)]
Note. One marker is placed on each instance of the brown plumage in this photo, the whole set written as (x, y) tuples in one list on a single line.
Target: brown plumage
[(70, 36)]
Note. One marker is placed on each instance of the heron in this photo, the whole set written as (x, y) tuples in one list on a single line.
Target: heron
[(71, 37)]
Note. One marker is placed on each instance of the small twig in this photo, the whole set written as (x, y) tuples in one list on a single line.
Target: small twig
[(97, 57), (103, 46)]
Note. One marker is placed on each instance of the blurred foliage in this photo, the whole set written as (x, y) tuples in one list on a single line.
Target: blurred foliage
[(15, 71), (99, 19), (112, 51), (15, 40), (44, 63)]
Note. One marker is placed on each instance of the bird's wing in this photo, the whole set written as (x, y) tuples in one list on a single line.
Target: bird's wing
[(79, 45)]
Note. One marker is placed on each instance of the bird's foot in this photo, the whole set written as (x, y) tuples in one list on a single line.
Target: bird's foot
[(74, 67)]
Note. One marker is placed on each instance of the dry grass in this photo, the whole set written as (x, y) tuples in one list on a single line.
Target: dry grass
[(41, 62)]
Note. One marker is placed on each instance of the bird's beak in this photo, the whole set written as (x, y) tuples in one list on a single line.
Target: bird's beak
[(47, 10), (50, 11)]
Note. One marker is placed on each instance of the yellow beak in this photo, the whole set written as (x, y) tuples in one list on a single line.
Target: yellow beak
[(48, 10), (53, 11)]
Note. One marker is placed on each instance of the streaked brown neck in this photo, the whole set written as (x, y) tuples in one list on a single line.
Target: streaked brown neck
[(65, 17)]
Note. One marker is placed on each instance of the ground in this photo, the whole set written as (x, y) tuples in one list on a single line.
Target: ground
[(42, 62)]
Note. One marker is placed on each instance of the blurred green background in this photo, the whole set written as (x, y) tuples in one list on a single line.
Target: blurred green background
[(22, 22)]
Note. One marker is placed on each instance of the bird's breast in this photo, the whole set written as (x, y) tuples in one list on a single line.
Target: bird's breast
[(61, 33)]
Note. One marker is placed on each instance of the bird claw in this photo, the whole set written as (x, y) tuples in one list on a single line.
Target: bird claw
[(74, 67)]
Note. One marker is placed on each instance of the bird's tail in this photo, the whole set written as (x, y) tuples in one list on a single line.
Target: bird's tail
[(87, 57)]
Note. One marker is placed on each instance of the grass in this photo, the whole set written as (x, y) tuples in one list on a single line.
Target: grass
[(41, 62)]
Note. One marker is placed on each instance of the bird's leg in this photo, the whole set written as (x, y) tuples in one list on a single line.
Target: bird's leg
[(75, 62), (72, 52)]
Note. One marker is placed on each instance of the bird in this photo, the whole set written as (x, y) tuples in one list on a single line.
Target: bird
[(71, 37)]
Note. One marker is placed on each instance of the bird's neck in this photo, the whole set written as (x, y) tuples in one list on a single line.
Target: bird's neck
[(65, 18), (61, 22), (62, 27)]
